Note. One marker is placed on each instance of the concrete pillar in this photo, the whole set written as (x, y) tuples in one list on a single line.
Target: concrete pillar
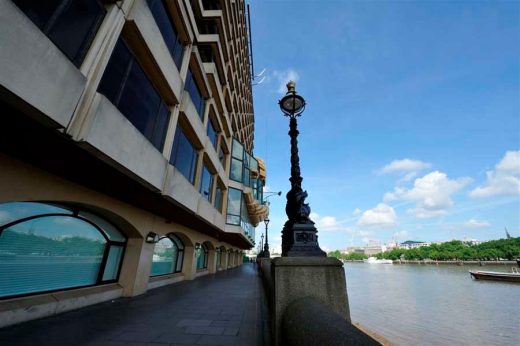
[(212, 261), (322, 278), (226, 260), (189, 267), (137, 263)]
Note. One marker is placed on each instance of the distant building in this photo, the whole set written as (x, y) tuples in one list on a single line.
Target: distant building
[(413, 244), (472, 241)]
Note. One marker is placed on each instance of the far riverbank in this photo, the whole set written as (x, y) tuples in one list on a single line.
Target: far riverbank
[(432, 262)]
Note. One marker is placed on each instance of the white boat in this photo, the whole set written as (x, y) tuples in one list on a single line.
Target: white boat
[(373, 260)]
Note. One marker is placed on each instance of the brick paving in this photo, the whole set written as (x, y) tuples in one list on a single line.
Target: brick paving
[(223, 309)]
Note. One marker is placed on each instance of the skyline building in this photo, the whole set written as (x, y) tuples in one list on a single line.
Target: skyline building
[(126, 149)]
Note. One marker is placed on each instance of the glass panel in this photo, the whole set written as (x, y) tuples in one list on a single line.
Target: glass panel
[(218, 198), (127, 86), (74, 29), (39, 12), (180, 260), (10, 212), (235, 172), (159, 133), (177, 241), (253, 164), (111, 232), (164, 257), (212, 133), (167, 29), (233, 220), (201, 253), (115, 255), (206, 183), (139, 101), (115, 72), (69, 24), (222, 157), (49, 253), (184, 156), (234, 201), (195, 94), (238, 150)]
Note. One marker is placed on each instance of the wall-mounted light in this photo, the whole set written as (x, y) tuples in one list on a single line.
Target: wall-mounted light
[(152, 238)]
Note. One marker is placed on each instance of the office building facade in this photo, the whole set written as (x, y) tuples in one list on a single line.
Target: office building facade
[(126, 149)]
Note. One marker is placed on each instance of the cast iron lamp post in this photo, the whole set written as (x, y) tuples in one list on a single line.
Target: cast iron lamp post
[(261, 252), (267, 254), (299, 234)]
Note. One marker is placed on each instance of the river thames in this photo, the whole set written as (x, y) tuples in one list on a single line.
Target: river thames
[(434, 305)]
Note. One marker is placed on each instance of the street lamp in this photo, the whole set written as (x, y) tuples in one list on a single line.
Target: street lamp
[(299, 234), (267, 254), (261, 252), (270, 194)]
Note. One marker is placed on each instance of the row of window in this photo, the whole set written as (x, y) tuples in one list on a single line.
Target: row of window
[(242, 166), (47, 247), (72, 25)]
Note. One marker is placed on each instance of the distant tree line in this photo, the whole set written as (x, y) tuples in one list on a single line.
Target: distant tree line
[(453, 250), (349, 257), (15, 243)]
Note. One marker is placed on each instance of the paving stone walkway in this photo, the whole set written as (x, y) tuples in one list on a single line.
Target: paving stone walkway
[(223, 309)]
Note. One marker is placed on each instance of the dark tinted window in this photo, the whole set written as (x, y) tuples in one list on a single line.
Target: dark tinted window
[(206, 183), (126, 85), (184, 156), (217, 203), (70, 24), (196, 96), (212, 133), (168, 32)]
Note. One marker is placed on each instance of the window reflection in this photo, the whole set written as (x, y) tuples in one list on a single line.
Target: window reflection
[(55, 249)]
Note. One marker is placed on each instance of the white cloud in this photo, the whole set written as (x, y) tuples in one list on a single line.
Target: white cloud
[(381, 215), (357, 211), (282, 77), (431, 193), (503, 180), (401, 235), (404, 165), (474, 223), (326, 223)]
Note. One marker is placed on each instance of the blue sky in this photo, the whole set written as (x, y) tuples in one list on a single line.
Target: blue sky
[(412, 129)]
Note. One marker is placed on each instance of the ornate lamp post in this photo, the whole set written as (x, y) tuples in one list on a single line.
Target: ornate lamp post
[(267, 254), (299, 234), (261, 252)]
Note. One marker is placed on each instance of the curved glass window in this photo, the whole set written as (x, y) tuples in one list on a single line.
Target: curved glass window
[(44, 247), (201, 251), (168, 255)]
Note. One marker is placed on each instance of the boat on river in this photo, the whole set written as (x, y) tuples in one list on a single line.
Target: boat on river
[(373, 260), (514, 276)]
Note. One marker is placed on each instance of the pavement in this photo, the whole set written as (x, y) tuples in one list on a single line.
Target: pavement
[(228, 308)]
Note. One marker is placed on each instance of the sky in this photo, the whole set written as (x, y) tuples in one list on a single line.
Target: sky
[(412, 124)]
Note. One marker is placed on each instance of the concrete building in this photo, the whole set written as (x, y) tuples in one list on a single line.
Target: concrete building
[(126, 149), (413, 244)]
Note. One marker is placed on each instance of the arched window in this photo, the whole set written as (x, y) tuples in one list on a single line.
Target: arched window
[(168, 255), (201, 252), (48, 247)]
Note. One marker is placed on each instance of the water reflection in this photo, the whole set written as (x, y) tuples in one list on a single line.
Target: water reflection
[(434, 305)]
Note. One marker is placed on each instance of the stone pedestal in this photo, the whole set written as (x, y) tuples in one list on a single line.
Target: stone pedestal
[(321, 278)]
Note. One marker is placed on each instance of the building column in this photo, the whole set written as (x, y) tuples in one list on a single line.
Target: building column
[(189, 267), (137, 263), (212, 261)]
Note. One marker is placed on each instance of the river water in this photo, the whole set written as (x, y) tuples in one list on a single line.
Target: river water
[(434, 305)]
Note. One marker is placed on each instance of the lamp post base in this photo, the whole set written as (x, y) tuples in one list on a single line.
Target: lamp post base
[(300, 240)]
